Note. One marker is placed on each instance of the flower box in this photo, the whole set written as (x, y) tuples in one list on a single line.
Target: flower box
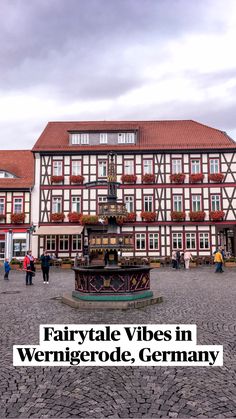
[(216, 215), (155, 264), (197, 215), (77, 179), (15, 264), (177, 178), (57, 217), (216, 177), (66, 264), (196, 177), (230, 263), (130, 217), (148, 178), (128, 178), (89, 219), (178, 215), (148, 216), (74, 217), (18, 217), (57, 179)]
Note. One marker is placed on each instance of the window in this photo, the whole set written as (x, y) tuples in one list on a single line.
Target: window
[(76, 242), (128, 167), (176, 166), (148, 203), (76, 167), (50, 243), (57, 168), (103, 138), (2, 205), (102, 168), (102, 199), (190, 240), (75, 204), (196, 202), (140, 241), (214, 166), (64, 242), (178, 203), (195, 167), (18, 205), (204, 240), (215, 202), (177, 241), (19, 247), (129, 203), (153, 240), (56, 204), (79, 138), (126, 137), (147, 167)]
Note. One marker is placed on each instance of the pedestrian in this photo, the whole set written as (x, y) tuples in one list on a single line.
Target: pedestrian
[(28, 265), (187, 258), (7, 268), (218, 259), (177, 259), (45, 265), (173, 259)]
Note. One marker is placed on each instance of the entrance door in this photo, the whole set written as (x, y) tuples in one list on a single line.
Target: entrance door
[(2, 246)]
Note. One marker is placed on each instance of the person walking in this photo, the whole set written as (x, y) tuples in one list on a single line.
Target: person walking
[(45, 265), (7, 268), (178, 256), (218, 259), (28, 265), (173, 259), (187, 258)]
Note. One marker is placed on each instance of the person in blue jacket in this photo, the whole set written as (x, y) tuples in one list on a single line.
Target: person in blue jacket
[(7, 268)]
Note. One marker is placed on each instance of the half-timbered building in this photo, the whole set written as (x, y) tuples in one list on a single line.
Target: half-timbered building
[(16, 182), (177, 178)]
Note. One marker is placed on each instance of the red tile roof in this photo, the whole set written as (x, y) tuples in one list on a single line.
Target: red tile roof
[(152, 135), (19, 163)]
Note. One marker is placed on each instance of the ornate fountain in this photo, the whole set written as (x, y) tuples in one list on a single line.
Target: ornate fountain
[(112, 282)]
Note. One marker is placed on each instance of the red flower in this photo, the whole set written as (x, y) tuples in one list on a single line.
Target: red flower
[(196, 177), (74, 217), (197, 215), (89, 219), (128, 178), (76, 179), (178, 215), (57, 179), (148, 178), (57, 217), (18, 217), (148, 216), (216, 177), (177, 177), (130, 217), (216, 215)]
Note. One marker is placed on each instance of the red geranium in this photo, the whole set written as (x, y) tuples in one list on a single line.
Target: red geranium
[(18, 217), (130, 217), (196, 177), (76, 179), (57, 179), (148, 216), (178, 215), (148, 178), (177, 177), (216, 215), (197, 215), (89, 219), (216, 177), (128, 178), (74, 217), (57, 217)]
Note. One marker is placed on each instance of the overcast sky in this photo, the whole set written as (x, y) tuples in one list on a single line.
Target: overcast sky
[(115, 60)]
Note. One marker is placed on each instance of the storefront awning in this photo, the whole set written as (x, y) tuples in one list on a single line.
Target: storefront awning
[(53, 230)]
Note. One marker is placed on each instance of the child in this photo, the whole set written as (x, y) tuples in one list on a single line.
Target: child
[(7, 268)]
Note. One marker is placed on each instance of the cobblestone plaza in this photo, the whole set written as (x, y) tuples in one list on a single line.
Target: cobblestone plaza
[(199, 296)]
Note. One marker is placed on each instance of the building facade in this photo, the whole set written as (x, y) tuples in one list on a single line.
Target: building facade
[(177, 179), (16, 183)]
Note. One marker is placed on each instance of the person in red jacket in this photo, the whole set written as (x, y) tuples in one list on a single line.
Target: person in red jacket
[(28, 265)]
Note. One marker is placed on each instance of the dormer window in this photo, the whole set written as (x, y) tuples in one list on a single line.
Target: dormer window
[(126, 137), (5, 174), (80, 139)]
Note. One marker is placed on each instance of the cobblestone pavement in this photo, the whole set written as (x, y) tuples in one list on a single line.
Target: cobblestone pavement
[(198, 296)]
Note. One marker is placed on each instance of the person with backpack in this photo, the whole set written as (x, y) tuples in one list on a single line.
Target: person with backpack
[(28, 265)]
